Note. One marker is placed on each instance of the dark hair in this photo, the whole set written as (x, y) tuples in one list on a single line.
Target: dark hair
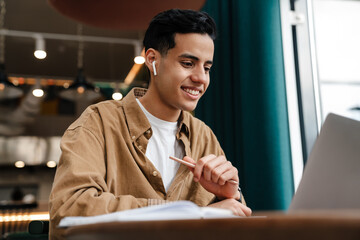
[(160, 34)]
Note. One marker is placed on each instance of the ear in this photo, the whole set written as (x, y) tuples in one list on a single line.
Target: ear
[(151, 55)]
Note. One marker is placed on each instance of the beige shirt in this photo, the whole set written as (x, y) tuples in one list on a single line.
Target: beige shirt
[(103, 167)]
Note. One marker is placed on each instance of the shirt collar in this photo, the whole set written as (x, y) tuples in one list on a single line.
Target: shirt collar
[(184, 123), (138, 122)]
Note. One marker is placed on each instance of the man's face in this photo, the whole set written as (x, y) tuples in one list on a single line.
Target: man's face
[(183, 73)]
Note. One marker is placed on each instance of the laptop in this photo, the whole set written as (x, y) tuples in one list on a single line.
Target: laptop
[(331, 178)]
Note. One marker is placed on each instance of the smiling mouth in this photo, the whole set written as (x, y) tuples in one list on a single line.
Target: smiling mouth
[(191, 91)]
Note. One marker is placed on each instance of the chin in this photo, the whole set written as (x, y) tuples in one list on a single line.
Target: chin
[(189, 108)]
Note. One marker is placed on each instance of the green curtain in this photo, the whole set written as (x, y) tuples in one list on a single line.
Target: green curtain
[(245, 104)]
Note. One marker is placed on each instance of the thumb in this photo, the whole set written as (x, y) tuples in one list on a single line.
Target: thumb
[(189, 159)]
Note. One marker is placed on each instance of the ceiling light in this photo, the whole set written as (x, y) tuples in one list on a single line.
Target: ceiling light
[(19, 164), (51, 164), (40, 52), (139, 59), (117, 96), (138, 52), (38, 92), (80, 90)]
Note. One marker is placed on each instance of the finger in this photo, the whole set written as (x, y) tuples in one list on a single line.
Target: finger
[(240, 212), (218, 172), (247, 211), (210, 168), (243, 210), (198, 171), (189, 159), (236, 211), (230, 173)]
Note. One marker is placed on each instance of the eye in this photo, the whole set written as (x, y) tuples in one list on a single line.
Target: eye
[(187, 64), (207, 69)]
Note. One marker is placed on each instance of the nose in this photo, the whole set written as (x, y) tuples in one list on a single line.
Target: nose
[(200, 76)]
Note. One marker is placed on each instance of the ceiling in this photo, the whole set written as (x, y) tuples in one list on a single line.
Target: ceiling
[(102, 61), (106, 18)]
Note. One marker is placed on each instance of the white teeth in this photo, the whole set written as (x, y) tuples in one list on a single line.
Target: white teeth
[(192, 92)]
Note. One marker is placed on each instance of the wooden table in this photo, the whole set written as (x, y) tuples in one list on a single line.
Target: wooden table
[(320, 225)]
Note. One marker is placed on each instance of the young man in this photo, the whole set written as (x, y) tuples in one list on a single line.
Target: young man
[(116, 155)]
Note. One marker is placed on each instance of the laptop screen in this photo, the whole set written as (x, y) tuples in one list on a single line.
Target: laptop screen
[(331, 178)]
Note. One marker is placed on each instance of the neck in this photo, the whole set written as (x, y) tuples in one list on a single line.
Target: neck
[(158, 108)]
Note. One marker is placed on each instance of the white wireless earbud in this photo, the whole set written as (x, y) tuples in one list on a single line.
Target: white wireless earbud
[(154, 68)]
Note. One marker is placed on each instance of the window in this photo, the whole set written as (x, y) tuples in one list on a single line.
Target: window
[(337, 38), (322, 68)]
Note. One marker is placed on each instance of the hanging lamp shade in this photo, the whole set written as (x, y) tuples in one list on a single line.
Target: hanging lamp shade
[(119, 14), (80, 90), (7, 89)]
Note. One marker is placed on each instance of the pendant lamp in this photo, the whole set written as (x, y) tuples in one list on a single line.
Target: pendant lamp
[(7, 89), (81, 89)]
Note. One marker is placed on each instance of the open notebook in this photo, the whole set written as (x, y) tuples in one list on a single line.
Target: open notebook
[(180, 210)]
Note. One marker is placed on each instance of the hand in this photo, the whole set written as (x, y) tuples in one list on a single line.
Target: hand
[(236, 207), (213, 173)]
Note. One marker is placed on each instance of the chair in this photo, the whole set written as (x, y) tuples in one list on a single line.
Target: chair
[(36, 230)]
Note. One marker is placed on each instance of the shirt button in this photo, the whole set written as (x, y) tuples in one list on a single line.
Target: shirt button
[(133, 137), (155, 173), (140, 147), (148, 134)]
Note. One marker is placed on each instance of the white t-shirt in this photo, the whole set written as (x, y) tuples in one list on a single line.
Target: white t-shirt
[(163, 144)]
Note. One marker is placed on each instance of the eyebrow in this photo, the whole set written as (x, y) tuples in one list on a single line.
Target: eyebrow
[(186, 55)]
